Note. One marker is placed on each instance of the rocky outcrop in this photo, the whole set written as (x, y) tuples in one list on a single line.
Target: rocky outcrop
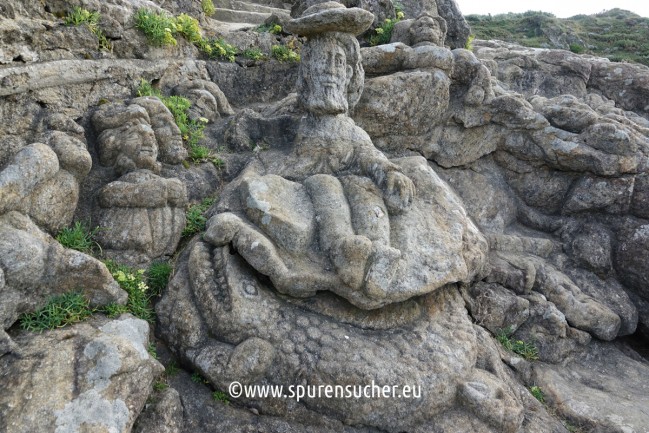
[(98, 377), (381, 214)]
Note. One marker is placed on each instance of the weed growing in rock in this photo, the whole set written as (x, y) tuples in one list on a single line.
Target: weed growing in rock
[(162, 29), (195, 218), (383, 33), (139, 295), (218, 48), (254, 54), (220, 396), (59, 311), (197, 378), (152, 350), (158, 28), (79, 237), (160, 386), (172, 369), (469, 43), (188, 27), (80, 16), (272, 28), (208, 7), (190, 129), (158, 276), (284, 53), (537, 393), (520, 347)]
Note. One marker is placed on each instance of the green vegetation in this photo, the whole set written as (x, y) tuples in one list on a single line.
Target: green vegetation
[(617, 34), (220, 396), (139, 295), (80, 16), (195, 219), (284, 53), (519, 347), (152, 350), (197, 378), (158, 276), (158, 28), (162, 30), (190, 129), (383, 33), (208, 7), (469, 43), (172, 369), (254, 54), (537, 393), (160, 386), (272, 28), (60, 310), (79, 237)]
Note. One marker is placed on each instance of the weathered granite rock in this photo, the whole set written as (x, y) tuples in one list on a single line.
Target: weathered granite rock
[(34, 267), (98, 377), (165, 415), (604, 389)]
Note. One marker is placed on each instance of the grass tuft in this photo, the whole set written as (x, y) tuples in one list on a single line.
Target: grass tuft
[(79, 237), (158, 276), (139, 294), (519, 347), (79, 16), (59, 311), (537, 392), (159, 28), (220, 396), (195, 217)]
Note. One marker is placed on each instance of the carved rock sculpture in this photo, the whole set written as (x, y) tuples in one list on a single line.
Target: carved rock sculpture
[(332, 213), (141, 214)]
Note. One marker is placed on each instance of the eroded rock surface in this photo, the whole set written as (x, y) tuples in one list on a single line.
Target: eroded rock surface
[(98, 378)]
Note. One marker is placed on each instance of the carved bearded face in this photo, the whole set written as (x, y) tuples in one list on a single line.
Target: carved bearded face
[(326, 76), (427, 30)]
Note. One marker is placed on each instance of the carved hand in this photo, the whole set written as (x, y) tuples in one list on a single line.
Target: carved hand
[(398, 191)]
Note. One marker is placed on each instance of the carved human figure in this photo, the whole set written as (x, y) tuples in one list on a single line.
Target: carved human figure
[(428, 29), (345, 220)]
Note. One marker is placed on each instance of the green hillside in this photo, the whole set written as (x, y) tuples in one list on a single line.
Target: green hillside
[(617, 34)]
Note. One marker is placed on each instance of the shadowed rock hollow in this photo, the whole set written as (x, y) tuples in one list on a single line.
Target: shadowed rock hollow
[(471, 224)]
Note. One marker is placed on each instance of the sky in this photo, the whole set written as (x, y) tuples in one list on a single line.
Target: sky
[(560, 8)]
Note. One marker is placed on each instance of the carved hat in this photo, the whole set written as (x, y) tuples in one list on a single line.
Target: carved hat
[(331, 17)]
